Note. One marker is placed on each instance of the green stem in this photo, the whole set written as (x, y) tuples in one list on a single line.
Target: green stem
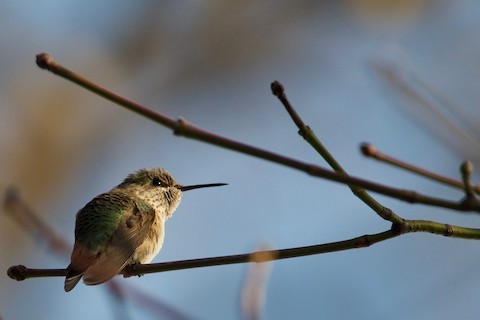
[(307, 133), (405, 226)]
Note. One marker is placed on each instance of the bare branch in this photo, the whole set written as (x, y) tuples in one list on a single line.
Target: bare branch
[(369, 150), (182, 128), (307, 133), (406, 226), (21, 272)]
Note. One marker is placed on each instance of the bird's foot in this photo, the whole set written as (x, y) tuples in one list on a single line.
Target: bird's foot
[(129, 270)]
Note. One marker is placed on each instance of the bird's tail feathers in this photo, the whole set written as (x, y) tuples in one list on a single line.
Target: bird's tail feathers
[(73, 277)]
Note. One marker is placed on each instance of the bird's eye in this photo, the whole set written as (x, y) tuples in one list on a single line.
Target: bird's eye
[(156, 182)]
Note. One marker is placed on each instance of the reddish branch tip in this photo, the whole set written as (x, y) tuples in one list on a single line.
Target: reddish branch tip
[(368, 149), (17, 272), (44, 60), (277, 88)]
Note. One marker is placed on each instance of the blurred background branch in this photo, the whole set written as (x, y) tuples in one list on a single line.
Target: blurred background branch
[(21, 212)]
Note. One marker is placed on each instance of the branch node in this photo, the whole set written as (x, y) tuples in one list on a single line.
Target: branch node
[(399, 227), (44, 61), (263, 256), (277, 89), (17, 272), (368, 149), (386, 213), (180, 125), (466, 170), (364, 242), (449, 230)]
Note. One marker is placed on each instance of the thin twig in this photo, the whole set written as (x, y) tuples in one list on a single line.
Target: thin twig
[(21, 272), (369, 150), (182, 128), (307, 133), (406, 226), (279, 92), (45, 61)]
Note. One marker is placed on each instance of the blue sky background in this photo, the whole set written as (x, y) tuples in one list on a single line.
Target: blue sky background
[(212, 63)]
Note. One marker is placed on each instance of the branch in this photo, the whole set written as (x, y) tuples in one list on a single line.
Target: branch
[(307, 133), (21, 272), (181, 127), (406, 226), (369, 150), (21, 212)]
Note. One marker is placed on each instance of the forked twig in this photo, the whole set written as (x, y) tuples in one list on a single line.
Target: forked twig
[(182, 128), (307, 133)]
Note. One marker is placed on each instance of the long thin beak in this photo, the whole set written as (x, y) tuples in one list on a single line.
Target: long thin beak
[(198, 186)]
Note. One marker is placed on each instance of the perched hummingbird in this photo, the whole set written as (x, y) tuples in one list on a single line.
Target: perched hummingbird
[(124, 226)]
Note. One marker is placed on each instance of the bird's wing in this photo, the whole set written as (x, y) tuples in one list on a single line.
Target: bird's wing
[(122, 224)]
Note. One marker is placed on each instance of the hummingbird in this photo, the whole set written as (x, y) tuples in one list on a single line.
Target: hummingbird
[(124, 226)]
